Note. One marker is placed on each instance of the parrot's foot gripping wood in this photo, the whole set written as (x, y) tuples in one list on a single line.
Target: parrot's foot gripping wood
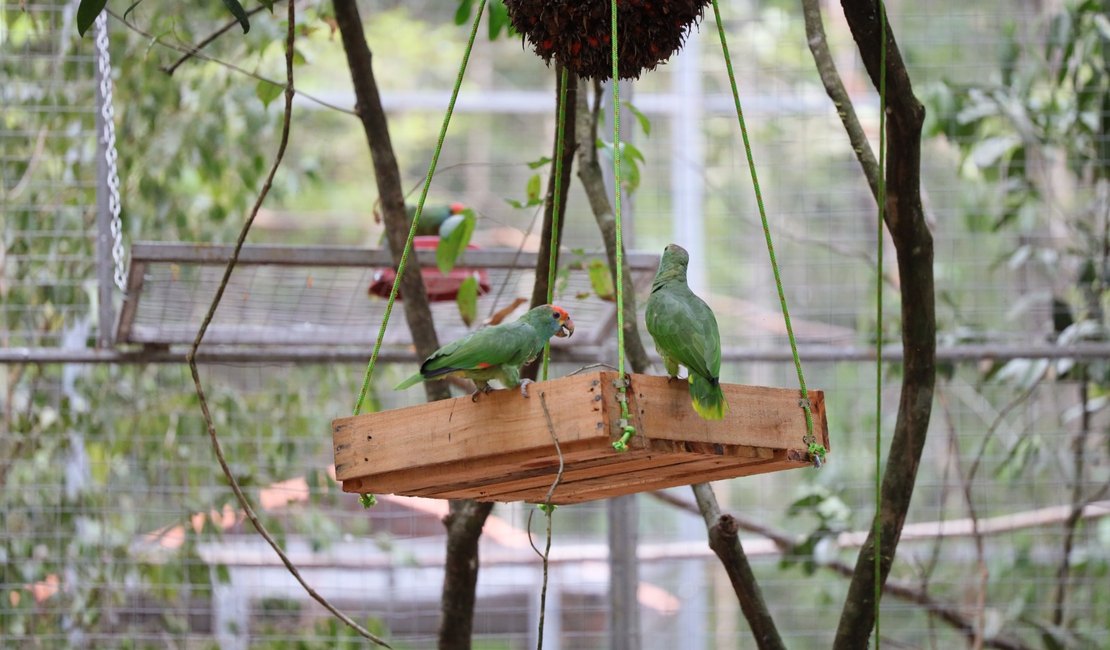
[(482, 389), (524, 386)]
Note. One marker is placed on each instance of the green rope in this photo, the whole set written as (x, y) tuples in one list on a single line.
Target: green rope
[(816, 451), (881, 198), (556, 201), (627, 430), (419, 210)]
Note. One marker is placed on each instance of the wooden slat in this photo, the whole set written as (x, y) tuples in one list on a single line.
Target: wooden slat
[(758, 416), (606, 468), (455, 429)]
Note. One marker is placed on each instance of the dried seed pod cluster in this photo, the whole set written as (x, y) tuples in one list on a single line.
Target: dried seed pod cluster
[(576, 33)]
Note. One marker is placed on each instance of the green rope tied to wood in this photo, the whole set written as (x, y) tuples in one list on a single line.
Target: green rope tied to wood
[(419, 211), (815, 449), (556, 203), (627, 430)]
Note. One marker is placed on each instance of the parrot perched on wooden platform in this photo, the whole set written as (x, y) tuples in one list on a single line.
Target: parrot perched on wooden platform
[(685, 333), (496, 352)]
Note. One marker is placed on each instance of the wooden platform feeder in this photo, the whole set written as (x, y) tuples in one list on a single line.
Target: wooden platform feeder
[(500, 448)]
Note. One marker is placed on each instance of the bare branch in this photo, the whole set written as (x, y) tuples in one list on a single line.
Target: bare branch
[(589, 173), (230, 66), (834, 87), (248, 509), (208, 40), (725, 542), (905, 219), (788, 545)]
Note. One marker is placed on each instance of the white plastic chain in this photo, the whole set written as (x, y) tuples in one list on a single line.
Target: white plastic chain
[(108, 112)]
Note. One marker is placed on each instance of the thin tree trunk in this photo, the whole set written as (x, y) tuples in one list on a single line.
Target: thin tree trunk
[(466, 518), (593, 182), (725, 544), (547, 241), (539, 289), (905, 219)]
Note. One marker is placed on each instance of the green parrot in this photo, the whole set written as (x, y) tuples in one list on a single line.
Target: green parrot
[(496, 352), (433, 217), (685, 333)]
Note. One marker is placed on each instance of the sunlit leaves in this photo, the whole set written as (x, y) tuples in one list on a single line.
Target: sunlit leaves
[(497, 16), (532, 194), (631, 158), (467, 300), (267, 91), (601, 281)]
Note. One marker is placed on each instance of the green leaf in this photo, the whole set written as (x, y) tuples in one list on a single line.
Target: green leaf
[(240, 14), (645, 123), (87, 12), (467, 300), (539, 162), (601, 281), (454, 235), (267, 91), (498, 19), (462, 14), (533, 189)]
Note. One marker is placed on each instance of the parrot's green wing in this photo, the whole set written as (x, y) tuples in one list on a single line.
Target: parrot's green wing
[(509, 344), (684, 329)]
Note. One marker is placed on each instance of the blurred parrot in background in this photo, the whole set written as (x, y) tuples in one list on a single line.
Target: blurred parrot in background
[(496, 352), (433, 217), (685, 333)]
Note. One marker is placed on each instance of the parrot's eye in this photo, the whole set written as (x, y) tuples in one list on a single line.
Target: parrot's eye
[(555, 315)]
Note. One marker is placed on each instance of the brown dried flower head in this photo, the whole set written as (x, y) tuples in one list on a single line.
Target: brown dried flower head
[(576, 33)]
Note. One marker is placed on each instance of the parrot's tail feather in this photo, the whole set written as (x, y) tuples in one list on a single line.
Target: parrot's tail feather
[(709, 399), (415, 379)]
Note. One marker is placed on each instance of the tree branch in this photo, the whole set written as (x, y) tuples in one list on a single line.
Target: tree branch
[(834, 87), (547, 240), (788, 544), (466, 518), (191, 357), (725, 542), (589, 173), (208, 40), (905, 219)]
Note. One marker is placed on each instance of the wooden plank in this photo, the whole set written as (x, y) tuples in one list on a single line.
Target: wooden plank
[(758, 416), (711, 468), (470, 471), (607, 469), (455, 429)]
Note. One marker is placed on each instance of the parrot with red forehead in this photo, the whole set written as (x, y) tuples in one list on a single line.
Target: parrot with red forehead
[(496, 352)]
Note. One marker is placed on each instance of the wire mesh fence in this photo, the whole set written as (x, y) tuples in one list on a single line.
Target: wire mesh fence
[(117, 528)]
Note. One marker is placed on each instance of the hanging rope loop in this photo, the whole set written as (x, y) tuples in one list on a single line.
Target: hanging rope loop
[(816, 450), (419, 211), (627, 430)]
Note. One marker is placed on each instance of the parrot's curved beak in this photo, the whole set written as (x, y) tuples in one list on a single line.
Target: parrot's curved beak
[(566, 329)]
